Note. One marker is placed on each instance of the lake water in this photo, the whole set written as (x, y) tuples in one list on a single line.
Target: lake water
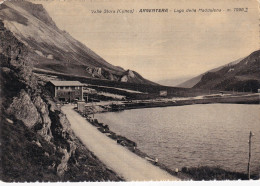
[(193, 135)]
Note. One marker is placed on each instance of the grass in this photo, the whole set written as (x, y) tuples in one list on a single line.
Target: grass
[(26, 156), (214, 173), (21, 158)]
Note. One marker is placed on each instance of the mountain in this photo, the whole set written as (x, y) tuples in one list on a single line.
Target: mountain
[(37, 142), (52, 49), (174, 81), (191, 82), (241, 76)]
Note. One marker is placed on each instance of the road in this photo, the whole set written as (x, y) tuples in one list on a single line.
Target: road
[(119, 159)]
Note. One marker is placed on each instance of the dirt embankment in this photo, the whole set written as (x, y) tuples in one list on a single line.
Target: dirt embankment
[(37, 143)]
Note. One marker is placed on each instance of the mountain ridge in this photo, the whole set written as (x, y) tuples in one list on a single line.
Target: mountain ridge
[(241, 76), (54, 49), (193, 81)]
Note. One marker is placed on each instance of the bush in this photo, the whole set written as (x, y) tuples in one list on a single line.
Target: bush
[(213, 173)]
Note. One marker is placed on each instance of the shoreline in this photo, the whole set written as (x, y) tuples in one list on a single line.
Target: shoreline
[(118, 106), (116, 157), (186, 173), (131, 146)]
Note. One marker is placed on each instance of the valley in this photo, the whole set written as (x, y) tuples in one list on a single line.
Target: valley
[(46, 132)]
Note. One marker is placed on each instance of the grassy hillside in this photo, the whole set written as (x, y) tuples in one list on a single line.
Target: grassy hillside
[(53, 49), (192, 82), (243, 76)]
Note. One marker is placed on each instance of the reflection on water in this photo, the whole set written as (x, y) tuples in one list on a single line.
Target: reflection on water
[(193, 135)]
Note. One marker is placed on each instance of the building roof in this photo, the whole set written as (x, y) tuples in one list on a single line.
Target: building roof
[(66, 83)]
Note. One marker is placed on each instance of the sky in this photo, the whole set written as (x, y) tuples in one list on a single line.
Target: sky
[(161, 45)]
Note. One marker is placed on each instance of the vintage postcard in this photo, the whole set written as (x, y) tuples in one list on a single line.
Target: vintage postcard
[(129, 90)]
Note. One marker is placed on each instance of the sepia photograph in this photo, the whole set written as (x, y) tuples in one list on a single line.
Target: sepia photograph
[(129, 91)]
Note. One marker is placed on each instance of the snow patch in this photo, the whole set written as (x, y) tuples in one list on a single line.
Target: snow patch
[(39, 53), (124, 79), (50, 56), (131, 74), (231, 69), (115, 96), (9, 121)]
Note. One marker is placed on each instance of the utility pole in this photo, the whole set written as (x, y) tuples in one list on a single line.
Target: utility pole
[(70, 96), (249, 155), (92, 109)]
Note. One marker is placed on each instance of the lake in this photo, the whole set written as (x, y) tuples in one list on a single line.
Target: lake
[(193, 135)]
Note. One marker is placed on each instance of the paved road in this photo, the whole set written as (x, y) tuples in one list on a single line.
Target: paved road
[(125, 163)]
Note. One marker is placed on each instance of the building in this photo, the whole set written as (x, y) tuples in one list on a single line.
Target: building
[(66, 90)]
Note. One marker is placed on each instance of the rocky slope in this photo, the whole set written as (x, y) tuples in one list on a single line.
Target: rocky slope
[(193, 81), (243, 76), (37, 143), (52, 49)]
